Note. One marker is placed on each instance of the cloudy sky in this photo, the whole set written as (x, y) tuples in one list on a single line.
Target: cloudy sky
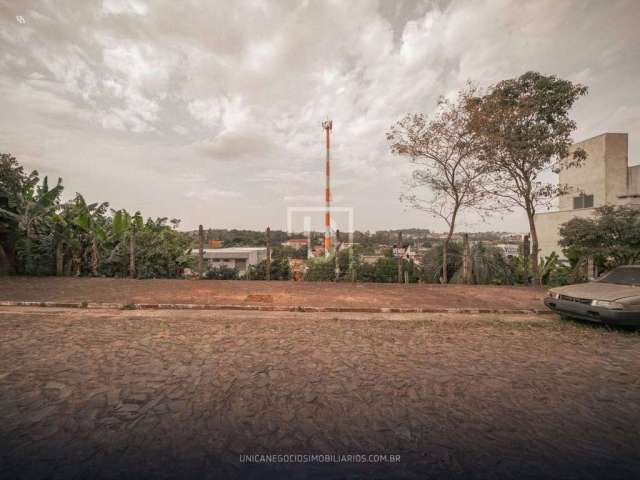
[(210, 111)]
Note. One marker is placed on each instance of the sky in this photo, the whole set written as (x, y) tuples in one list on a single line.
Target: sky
[(211, 111)]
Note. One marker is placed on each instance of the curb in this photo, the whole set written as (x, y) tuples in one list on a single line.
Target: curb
[(270, 308)]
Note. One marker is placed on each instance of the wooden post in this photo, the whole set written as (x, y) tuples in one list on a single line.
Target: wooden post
[(590, 268), (200, 251), (466, 254), (400, 258), (132, 251), (336, 259), (526, 251), (268, 269), (59, 258)]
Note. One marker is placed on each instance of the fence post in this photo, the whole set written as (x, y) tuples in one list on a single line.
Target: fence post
[(132, 251), (268, 269), (400, 258), (466, 254), (590, 268), (200, 251), (337, 256), (525, 255)]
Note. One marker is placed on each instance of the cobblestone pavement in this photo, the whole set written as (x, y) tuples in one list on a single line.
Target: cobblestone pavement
[(225, 292), (162, 394)]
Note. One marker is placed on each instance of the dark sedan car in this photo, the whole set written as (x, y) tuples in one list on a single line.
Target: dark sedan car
[(614, 298)]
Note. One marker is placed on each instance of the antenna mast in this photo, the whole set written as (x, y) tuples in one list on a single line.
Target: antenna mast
[(327, 126)]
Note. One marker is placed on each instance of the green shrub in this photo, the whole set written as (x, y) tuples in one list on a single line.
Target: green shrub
[(222, 273)]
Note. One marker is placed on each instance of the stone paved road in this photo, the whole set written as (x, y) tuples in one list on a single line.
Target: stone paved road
[(140, 394)]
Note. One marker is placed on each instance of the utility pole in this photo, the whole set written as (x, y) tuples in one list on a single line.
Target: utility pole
[(268, 270), (327, 126), (400, 258), (200, 251)]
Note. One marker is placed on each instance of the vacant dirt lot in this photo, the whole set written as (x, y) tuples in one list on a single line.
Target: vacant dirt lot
[(272, 293), (162, 394)]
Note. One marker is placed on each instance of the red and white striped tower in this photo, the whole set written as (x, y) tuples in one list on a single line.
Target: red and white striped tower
[(327, 126)]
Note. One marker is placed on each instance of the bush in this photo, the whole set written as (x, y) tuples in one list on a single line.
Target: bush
[(222, 273), (432, 262), (279, 270), (161, 252), (320, 270)]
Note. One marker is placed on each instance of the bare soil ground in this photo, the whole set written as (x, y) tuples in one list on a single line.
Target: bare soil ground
[(357, 295), (182, 394)]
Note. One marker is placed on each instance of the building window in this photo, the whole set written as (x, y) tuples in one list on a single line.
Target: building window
[(583, 201)]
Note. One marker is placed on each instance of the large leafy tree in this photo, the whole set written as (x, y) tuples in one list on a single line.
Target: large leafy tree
[(31, 211), (15, 185), (161, 251), (612, 237), (526, 130), (444, 151)]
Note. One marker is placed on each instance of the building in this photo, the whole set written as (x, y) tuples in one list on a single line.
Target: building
[(509, 250), (605, 178), (235, 257), (214, 243), (296, 243)]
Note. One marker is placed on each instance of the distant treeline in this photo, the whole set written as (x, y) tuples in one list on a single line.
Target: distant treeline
[(419, 237)]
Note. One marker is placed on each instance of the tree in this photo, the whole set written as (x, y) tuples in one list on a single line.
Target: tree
[(90, 219), (161, 252), (525, 129), (124, 227), (222, 273), (612, 237), (444, 151), (280, 269), (31, 211)]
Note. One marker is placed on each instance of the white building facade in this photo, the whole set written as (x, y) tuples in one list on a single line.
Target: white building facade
[(604, 178), (235, 257)]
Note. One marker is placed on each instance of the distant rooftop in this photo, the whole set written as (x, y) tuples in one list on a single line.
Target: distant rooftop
[(234, 250)]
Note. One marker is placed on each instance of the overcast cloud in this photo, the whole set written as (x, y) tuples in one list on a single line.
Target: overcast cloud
[(211, 111)]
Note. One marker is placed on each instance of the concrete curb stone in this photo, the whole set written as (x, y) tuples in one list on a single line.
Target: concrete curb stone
[(268, 308)]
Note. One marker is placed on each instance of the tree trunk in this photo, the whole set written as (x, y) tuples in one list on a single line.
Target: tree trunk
[(76, 265), (28, 252), (534, 249), (60, 258), (94, 256), (445, 261), (4, 262), (132, 252)]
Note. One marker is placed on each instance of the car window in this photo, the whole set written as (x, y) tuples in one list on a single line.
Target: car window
[(622, 276)]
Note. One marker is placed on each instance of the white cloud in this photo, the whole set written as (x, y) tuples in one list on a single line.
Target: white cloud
[(206, 111), (211, 193), (132, 7), (236, 91)]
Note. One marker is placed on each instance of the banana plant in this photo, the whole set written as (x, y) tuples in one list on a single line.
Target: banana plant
[(33, 209), (126, 226), (90, 219)]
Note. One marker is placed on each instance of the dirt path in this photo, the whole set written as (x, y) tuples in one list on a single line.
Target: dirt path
[(361, 295), (161, 394)]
